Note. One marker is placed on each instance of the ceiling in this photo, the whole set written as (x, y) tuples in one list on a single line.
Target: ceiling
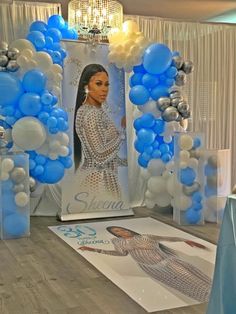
[(191, 10)]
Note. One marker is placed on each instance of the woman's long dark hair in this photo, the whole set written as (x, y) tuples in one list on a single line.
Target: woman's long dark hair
[(89, 71), (109, 229)]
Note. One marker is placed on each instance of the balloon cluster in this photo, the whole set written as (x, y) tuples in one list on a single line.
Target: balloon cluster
[(214, 174), (46, 37), (188, 195), (8, 58), (126, 46), (15, 195)]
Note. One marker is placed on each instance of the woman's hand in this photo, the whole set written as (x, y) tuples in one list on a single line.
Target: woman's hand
[(123, 122), (87, 248), (195, 244)]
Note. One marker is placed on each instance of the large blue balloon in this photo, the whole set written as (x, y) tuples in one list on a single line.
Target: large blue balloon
[(55, 34), (187, 176), (157, 58), (30, 104), (37, 38), (136, 79), (38, 26), (149, 80), (147, 120), (53, 172), (56, 21), (34, 81), (139, 95), (146, 136), (159, 91), (10, 89), (15, 225)]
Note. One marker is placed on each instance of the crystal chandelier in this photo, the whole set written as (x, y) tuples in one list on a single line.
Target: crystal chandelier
[(95, 18)]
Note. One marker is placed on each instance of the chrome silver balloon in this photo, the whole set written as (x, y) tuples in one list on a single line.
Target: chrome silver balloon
[(187, 67), (177, 61), (13, 53), (170, 114), (175, 94), (183, 107), (163, 103), (189, 190), (3, 61), (12, 66), (176, 101), (32, 184), (18, 175), (186, 114), (3, 52), (180, 78), (18, 188)]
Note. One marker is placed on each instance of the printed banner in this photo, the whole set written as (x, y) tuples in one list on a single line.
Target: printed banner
[(158, 266), (94, 96)]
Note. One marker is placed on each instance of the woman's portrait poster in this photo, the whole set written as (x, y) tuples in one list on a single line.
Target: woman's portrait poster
[(94, 96)]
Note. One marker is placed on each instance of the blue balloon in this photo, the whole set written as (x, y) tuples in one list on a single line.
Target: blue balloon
[(146, 136), (197, 197), (159, 126), (187, 176), (169, 82), (197, 206), (137, 124), (48, 42), (10, 120), (32, 164), (56, 21), (40, 159), (10, 89), (192, 216), (43, 117), (8, 111), (69, 34), (139, 95), (16, 225), (209, 170), (136, 79), (166, 157), (155, 144), (146, 156), (56, 46), (156, 154), (30, 104), (142, 162), (139, 69), (52, 122), (55, 34), (197, 142), (66, 161), (149, 80), (148, 150), (34, 81), (209, 191), (139, 146), (164, 148), (157, 58), (37, 38), (53, 172), (171, 72), (147, 120), (159, 91), (56, 56), (38, 26)]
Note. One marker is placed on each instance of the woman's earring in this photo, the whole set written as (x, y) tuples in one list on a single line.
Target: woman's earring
[(86, 90)]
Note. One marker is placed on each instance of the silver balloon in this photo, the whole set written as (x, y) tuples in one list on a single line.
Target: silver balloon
[(3, 69), (175, 94), (13, 53), (18, 188), (32, 184), (189, 190), (3, 61), (213, 161), (18, 175), (176, 101), (180, 118), (180, 78), (178, 61), (183, 107), (12, 66), (3, 45), (3, 52), (186, 114), (170, 114), (188, 67), (163, 103)]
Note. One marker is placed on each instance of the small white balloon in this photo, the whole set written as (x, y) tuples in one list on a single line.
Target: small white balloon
[(53, 156), (54, 146), (7, 164), (63, 151), (43, 60), (28, 53), (21, 199), (18, 174), (28, 133), (184, 155), (56, 68), (186, 142)]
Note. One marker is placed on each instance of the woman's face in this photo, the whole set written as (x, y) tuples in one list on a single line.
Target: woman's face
[(98, 88), (122, 232)]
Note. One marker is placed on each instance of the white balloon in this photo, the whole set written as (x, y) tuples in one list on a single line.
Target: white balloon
[(31, 64), (22, 61), (184, 155), (54, 146), (56, 91), (22, 44), (63, 151), (186, 142), (167, 139), (28, 133), (43, 60), (183, 164), (7, 164), (156, 167), (63, 138), (53, 156), (28, 53), (56, 68), (193, 163), (21, 199), (156, 184)]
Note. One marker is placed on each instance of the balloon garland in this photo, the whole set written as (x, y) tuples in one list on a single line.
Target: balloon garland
[(30, 84)]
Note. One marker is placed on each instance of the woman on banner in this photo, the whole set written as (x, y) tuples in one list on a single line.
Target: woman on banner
[(97, 141), (160, 262)]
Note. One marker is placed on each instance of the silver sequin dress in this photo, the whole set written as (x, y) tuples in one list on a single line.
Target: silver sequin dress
[(100, 142), (163, 264)]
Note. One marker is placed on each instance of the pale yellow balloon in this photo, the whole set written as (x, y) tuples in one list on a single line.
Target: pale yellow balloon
[(28, 53), (130, 26), (22, 44), (43, 60), (56, 68)]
